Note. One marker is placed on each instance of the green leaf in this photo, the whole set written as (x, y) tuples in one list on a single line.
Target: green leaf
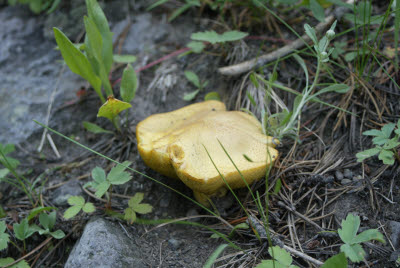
[(391, 144), (8, 260), (361, 156), (387, 157), (95, 42), (190, 96), (112, 107), (278, 186), (4, 172), (354, 252), (72, 212), (76, 60), (4, 238), (214, 256), (338, 88), (213, 37), (130, 215), (397, 131), (281, 255), (57, 234), (212, 96), (143, 208), (48, 221), (76, 201), (124, 58), (311, 33), (196, 46), (371, 234), (349, 228), (98, 175), (156, 4), (387, 130), (180, 10), (88, 208), (122, 178), (22, 230), (95, 128), (117, 170), (193, 78), (349, 57), (336, 261), (128, 84), (136, 199), (373, 132), (38, 210), (317, 10), (102, 188)]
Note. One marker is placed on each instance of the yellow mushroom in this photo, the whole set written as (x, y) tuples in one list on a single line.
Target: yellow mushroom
[(179, 144)]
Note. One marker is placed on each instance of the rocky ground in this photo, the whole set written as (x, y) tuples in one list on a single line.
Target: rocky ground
[(36, 86)]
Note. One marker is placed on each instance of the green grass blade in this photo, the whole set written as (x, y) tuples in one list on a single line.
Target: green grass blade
[(215, 255)]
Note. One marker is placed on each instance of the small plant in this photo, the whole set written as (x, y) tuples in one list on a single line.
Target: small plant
[(352, 242), (48, 221), (385, 146), (4, 237), (194, 79), (23, 230), (281, 259), (77, 204), (116, 176), (336, 261), (135, 206)]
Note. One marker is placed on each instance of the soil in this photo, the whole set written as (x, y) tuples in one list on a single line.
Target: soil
[(312, 174)]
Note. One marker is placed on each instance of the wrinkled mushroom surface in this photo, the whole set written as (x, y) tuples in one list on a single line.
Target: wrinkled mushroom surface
[(180, 143)]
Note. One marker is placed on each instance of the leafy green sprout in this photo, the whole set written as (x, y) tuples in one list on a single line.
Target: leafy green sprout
[(77, 204), (194, 79), (135, 205), (386, 144), (48, 221), (281, 259), (352, 241), (4, 237)]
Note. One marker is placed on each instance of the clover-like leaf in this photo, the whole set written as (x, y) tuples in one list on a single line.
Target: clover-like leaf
[(77, 204), (22, 230), (354, 252), (4, 238), (338, 260), (349, 228), (281, 255), (368, 235), (112, 107), (213, 37)]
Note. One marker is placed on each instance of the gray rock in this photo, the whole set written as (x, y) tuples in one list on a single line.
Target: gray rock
[(104, 244), (345, 181), (348, 173), (60, 195), (174, 244), (394, 227), (339, 175)]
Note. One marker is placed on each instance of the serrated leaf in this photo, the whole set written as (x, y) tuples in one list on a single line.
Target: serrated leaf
[(281, 255), (270, 264), (122, 178), (76, 201), (95, 128), (88, 208), (371, 234), (212, 96), (4, 238), (349, 228), (136, 199), (354, 252), (119, 168), (190, 96), (372, 132), (22, 230), (124, 58), (128, 84), (336, 261), (367, 153), (193, 78), (196, 46), (59, 234), (76, 60), (102, 188), (387, 157), (72, 212), (130, 215), (143, 208), (8, 260), (387, 130), (112, 107), (391, 144), (98, 175), (213, 37)]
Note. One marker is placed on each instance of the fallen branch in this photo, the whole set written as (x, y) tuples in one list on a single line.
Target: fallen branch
[(263, 59)]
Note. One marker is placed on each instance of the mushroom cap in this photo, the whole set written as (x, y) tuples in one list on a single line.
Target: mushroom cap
[(180, 144)]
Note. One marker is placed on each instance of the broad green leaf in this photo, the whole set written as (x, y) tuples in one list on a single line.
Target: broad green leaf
[(121, 178), (338, 88), (136, 199), (281, 255), (128, 84), (124, 58), (76, 60), (38, 210), (98, 174), (8, 260), (193, 78), (397, 131), (95, 128), (112, 107), (213, 37), (311, 33), (371, 234), (214, 255), (387, 157), (391, 144), (119, 168), (101, 189), (354, 252), (317, 10), (336, 261), (271, 264), (72, 212), (7, 149), (387, 130), (349, 228), (196, 46), (130, 215), (143, 208), (48, 221), (4, 238), (4, 172), (95, 41), (22, 230), (190, 96), (373, 132), (88, 208), (57, 234), (212, 96), (76, 201), (350, 56), (367, 153), (381, 140)]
